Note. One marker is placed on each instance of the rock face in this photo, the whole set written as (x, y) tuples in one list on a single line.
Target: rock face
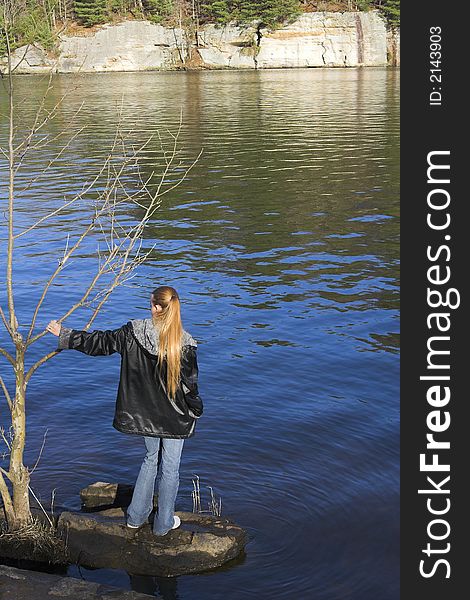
[(102, 539), (318, 39), (130, 46), (326, 40), (228, 47), (393, 47), (18, 584)]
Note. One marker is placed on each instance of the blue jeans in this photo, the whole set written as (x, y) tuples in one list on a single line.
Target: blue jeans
[(168, 482)]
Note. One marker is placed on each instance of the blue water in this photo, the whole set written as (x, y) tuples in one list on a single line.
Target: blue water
[(282, 242)]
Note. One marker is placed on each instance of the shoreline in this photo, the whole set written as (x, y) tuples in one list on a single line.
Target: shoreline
[(313, 40), (208, 70)]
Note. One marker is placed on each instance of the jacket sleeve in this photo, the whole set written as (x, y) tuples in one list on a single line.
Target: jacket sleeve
[(189, 378), (94, 343)]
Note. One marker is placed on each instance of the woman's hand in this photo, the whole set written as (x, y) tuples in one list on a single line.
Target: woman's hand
[(54, 327)]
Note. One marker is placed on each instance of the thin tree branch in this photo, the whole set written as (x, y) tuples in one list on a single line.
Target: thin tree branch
[(8, 355), (42, 507), (7, 443), (7, 393), (11, 184), (40, 362), (22, 58), (5, 322), (53, 160), (38, 124), (40, 452), (30, 340), (3, 472), (99, 212)]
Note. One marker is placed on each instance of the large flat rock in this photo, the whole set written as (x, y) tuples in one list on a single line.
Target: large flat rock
[(17, 584), (102, 540)]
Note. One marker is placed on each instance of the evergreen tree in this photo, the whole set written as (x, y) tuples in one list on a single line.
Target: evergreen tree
[(28, 22), (216, 10), (364, 4), (157, 10), (391, 11), (269, 12), (121, 7), (90, 12)]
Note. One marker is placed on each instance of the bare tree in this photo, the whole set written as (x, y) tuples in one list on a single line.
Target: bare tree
[(105, 195)]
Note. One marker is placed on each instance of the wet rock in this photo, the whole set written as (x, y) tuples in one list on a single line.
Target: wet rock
[(102, 540), (101, 495), (18, 584)]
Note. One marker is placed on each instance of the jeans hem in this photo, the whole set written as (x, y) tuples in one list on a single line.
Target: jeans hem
[(135, 526)]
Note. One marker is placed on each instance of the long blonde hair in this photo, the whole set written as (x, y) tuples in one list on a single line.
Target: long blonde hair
[(170, 331)]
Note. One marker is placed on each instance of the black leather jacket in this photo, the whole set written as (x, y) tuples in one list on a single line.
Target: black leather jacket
[(142, 405)]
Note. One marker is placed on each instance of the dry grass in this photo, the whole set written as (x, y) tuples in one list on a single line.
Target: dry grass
[(214, 505), (37, 540)]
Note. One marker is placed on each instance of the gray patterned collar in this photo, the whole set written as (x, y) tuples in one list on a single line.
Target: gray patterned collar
[(146, 334)]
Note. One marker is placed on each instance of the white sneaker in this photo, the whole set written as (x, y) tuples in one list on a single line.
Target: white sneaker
[(176, 524)]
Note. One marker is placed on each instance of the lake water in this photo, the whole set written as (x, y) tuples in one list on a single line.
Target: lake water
[(283, 243)]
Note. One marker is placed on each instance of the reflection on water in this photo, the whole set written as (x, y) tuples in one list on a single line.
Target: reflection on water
[(283, 244)]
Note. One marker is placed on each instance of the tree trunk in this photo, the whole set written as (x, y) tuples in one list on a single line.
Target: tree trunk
[(21, 499), (18, 473)]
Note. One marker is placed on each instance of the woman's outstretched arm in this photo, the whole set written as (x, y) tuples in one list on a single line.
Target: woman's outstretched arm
[(93, 343)]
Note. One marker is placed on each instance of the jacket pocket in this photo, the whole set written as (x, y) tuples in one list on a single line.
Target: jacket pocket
[(173, 403), (186, 391)]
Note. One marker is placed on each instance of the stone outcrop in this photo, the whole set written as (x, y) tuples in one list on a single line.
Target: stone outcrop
[(129, 46), (393, 47), (319, 39), (101, 495), (102, 540), (19, 584), (326, 40)]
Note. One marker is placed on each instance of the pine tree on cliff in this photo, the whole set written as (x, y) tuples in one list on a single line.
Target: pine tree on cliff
[(157, 10), (216, 10), (269, 12), (391, 10), (90, 12)]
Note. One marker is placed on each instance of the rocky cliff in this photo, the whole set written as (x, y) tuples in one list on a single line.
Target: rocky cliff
[(321, 39)]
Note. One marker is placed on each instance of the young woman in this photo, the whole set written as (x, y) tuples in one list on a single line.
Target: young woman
[(157, 398)]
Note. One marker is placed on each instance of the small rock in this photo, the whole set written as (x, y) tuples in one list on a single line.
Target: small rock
[(107, 495)]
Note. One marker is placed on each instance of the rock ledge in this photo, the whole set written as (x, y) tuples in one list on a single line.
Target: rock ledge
[(17, 584)]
